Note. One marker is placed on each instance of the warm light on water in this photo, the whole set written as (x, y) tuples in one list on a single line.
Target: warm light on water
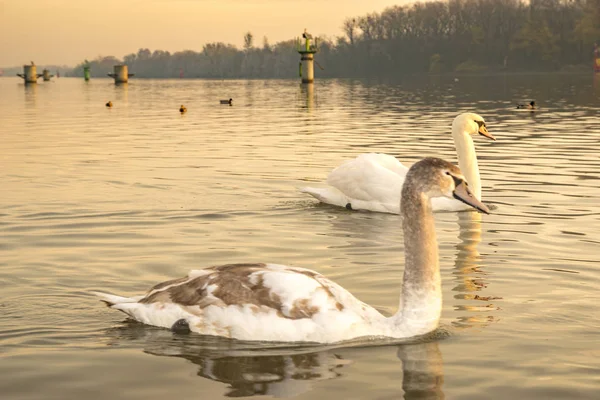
[(119, 199)]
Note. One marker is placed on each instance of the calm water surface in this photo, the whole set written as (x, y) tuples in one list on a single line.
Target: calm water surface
[(119, 199)]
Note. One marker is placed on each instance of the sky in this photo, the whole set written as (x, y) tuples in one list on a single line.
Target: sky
[(64, 32)]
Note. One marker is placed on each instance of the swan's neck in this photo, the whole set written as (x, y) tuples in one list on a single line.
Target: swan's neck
[(421, 300), (467, 160)]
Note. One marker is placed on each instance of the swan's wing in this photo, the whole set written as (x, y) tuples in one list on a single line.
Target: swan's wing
[(370, 177), (254, 302), (292, 292)]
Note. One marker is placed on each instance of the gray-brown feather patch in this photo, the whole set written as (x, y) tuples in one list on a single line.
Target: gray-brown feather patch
[(168, 283), (239, 268), (234, 284)]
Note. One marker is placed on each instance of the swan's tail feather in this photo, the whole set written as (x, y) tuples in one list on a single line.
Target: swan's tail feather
[(327, 195), (111, 299), (317, 193)]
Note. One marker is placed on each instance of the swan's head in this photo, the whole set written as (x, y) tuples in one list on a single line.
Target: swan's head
[(471, 124), (434, 177)]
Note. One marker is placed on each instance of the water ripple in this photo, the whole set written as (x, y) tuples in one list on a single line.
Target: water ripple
[(118, 199)]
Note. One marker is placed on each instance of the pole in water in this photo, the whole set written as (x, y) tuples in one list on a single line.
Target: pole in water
[(29, 74), (121, 74), (307, 58), (46, 75)]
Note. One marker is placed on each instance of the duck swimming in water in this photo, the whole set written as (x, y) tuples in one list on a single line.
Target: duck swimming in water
[(109, 104), (530, 106), (226, 101), (270, 302), (182, 109)]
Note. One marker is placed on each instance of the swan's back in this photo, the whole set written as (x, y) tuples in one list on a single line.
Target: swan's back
[(370, 178), (369, 160)]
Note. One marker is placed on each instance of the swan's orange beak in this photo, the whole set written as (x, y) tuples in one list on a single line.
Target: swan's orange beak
[(463, 193), (484, 132)]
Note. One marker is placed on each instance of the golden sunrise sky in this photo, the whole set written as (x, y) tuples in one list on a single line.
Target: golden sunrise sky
[(67, 31)]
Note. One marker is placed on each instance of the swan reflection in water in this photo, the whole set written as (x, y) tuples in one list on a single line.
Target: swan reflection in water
[(470, 276), (249, 368)]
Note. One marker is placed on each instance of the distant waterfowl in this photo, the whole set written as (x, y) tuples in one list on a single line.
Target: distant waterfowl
[(373, 181), (109, 104), (530, 106), (270, 302), (226, 101), (182, 109)]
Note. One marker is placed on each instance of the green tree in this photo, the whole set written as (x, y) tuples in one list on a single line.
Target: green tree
[(535, 42)]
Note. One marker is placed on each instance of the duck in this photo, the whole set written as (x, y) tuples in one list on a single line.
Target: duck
[(182, 109), (109, 104), (373, 181), (226, 101), (530, 106), (278, 303)]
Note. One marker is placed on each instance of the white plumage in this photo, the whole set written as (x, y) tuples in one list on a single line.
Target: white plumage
[(373, 181)]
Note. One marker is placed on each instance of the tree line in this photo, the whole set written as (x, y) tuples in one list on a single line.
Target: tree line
[(434, 37)]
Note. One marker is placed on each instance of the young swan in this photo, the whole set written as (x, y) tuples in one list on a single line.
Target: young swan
[(270, 302), (373, 181)]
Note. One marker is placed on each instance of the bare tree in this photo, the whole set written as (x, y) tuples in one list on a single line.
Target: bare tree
[(248, 41), (349, 28)]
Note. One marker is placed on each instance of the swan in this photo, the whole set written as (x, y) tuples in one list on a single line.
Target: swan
[(373, 181), (270, 302)]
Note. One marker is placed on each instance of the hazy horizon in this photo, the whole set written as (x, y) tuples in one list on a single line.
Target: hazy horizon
[(63, 32)]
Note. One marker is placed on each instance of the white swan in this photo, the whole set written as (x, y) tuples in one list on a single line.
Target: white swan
[(373, 181), (271, 302)]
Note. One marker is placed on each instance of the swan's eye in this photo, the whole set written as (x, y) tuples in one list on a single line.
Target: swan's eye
[(480, 123), (447, 172)]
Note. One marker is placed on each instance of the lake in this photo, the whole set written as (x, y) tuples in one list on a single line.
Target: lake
[(119, 199)]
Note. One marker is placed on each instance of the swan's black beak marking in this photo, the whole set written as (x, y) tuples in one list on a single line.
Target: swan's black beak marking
[(483, 131)]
